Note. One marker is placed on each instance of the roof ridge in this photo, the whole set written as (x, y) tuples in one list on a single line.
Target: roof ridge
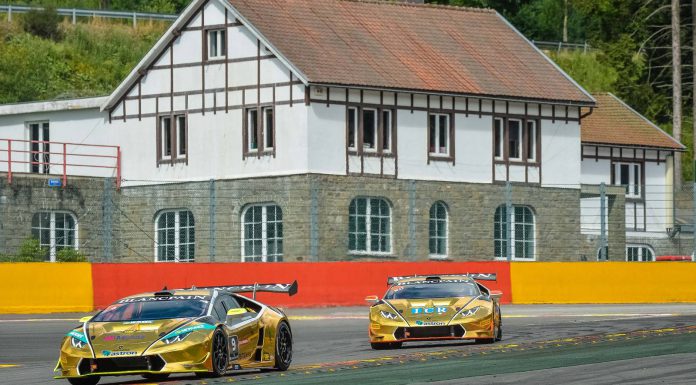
[(423, 5)]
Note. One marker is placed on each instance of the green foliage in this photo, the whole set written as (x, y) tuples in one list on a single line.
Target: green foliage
[(587, 70), (70, 255), (92, 59), (155, 6), (42, 23), (31, 251)]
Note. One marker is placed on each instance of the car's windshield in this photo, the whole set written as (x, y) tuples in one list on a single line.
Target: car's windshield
[(144, 311), (433, 290)]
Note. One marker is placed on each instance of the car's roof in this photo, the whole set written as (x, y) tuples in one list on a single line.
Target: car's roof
[(434, 279), (176, 293)]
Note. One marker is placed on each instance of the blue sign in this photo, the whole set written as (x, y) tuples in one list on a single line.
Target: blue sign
[(54, 182)]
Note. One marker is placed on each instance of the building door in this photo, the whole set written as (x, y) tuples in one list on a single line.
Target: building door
[(39, 148)]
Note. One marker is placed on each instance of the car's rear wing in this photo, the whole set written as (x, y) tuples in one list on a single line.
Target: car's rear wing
[(437, 277), (289, 288)]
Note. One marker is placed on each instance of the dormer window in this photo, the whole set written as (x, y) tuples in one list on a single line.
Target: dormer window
[(217, 44)]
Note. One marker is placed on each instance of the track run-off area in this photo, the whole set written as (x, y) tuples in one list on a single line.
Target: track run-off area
[(569, 344)]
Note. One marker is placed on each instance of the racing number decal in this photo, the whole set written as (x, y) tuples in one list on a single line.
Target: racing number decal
[(234, 348)]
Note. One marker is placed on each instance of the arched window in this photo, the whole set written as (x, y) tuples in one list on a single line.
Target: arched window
[(438, 230), (369, 226), (55, 230), (262, 233), (639, 253), (522, 232), (175, 236)]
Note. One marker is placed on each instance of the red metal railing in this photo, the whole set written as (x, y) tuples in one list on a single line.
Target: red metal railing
[(38, 157)]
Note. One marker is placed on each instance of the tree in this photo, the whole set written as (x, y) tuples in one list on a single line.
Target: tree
[(676, 91)]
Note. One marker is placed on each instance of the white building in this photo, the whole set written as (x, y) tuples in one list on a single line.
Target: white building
[(351, 92)]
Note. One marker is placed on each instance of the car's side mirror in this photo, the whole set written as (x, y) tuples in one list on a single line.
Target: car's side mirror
[(85, 319), (372, 299), (237, 313), (496, 294)]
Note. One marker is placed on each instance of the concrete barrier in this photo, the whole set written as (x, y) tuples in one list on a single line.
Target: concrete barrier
[(602, 282), (45, 287), (320, 283)]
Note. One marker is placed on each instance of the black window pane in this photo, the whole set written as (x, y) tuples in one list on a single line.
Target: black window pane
[(369, 124)]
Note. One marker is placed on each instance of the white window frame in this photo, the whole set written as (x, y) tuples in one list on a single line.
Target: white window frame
[(513, 226), (268, 129), (164, 135), (368, 227), (520, 137), (436, 131), (500, 130), (438, 238), (264, 257), (220, 44), (634, 181), (252, 129), (387, 128), (375, 130), (177, 235), (356, 116), (531, 137), (640, 249), (181, 134), (52, 246)]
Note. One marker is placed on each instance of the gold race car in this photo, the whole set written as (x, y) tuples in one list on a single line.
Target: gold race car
[(206, 331), (435, 307)]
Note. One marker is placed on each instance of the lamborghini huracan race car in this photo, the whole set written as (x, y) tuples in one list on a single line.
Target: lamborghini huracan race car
[(436, 307), (206, 331)]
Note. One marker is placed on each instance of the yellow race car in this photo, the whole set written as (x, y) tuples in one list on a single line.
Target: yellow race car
[(435, 307), (206, 331)]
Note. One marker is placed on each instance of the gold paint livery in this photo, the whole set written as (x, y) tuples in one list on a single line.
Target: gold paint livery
[(230, 332), (432, 308)]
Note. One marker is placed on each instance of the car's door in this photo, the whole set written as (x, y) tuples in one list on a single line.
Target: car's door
[(243, 330)]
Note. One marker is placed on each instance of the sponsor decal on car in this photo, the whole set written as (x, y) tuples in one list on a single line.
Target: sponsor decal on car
[(125, 353), (165, 298), (137, 322), (427, 323), (77, 335), (123, 338), (429, 310), (234, 347), (189, 329)]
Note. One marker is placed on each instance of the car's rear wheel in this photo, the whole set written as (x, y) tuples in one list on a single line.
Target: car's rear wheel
[(92, 380), (156, 376), (386, 345), (283, 347)]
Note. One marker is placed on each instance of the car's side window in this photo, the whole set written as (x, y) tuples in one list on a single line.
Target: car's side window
[(229, 303), (219, 311)]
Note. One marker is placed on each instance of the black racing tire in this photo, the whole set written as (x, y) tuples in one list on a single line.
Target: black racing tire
[(220, 355), (156, 376), (499, 333), (91, 380), (386, 345), (283, 347)]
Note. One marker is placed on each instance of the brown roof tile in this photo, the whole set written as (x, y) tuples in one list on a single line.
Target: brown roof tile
[(408, 46), (614, 122)]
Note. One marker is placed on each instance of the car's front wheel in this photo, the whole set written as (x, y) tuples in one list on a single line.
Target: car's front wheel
[(220, 355), (283, 347), (92, 380)]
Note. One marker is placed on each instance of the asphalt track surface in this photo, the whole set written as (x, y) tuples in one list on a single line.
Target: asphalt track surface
[(583, 344)]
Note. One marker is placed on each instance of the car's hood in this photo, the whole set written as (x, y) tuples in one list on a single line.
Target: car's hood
[(429, 312), (123, 339)]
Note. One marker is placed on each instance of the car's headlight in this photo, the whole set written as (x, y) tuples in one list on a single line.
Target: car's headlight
[(77, 344), (470, 312), (176, 338), (388, 315)]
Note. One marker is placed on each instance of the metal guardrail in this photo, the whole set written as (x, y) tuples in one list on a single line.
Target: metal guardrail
[(558, 46), (75, 13)]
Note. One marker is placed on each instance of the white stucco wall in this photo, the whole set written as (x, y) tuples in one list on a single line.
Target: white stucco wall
[(560, 154)]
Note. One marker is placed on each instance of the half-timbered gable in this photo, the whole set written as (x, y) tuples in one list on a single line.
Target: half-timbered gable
[(620, 147)]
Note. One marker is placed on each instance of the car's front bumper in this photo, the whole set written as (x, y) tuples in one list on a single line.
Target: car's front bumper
[(403, 332)]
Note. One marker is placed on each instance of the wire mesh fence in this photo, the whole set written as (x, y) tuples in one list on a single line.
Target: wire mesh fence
[(329, 218)]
